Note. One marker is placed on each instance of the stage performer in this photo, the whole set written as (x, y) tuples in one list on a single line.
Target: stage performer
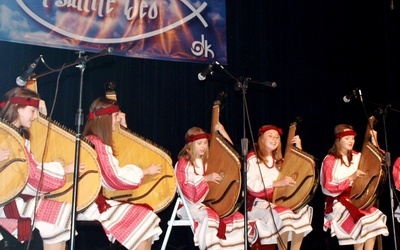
[(30, 210), (211, 232), (270, 223), (351, 225), (396, 180), (135, 226)]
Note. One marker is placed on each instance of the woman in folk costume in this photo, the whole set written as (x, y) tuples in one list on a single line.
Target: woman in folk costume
[(134, 226), (19, 106), (351, 226), (396, 179), (211, 232), (270, 223)]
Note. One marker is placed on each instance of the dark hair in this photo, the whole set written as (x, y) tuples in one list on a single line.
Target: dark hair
[(334, 150), (100, 126), (9, 112)]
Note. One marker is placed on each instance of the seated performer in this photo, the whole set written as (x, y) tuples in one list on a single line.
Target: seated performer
[(396, 180), (135, 226), (211, 232), (351, 225), (19, 106), (268, 222)]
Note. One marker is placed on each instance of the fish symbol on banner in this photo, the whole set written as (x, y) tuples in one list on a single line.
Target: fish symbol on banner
[(119, 21)]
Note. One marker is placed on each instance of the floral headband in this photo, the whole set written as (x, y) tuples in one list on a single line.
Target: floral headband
[(103, 111), (265, 128), (340, 135), (196, 137), (28, 101)]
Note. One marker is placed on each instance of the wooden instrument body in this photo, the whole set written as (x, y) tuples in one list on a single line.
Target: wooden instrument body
[(224, 197), (14, 171), (301, 167), (61, 146), (365, 190), (159, 190)]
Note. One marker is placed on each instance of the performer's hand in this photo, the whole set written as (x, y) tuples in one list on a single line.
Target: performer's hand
[(153, 169), (70, 168), (296, 141), (42, 107), (121, 118), (4, 154), (221, 129), (374, 137), (287, 181), (213, 177), (356, 174)]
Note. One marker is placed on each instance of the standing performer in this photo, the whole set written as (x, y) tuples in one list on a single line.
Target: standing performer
[(211, 232), (270, 223), (351, 225), (135, 226), (19, 106)]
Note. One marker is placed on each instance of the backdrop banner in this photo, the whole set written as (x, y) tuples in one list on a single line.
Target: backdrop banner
[(173, 30)]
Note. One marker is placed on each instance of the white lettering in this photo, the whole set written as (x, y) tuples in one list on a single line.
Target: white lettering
[(99, 13), (86, 6), (44, 3), (61, 3), (109, 9), (102, 7), (132, 10), (153, 11), (143, 5), (202, 48)]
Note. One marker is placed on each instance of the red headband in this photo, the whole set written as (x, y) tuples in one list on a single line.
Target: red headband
[(196, 137), (27, 101), (265, 128), (103, 111), (340, 135)]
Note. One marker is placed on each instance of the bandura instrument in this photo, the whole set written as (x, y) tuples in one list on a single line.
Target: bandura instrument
[(224, 197), (14, 171), (60, 143), (365, 190), (159, 190), (301, 167)]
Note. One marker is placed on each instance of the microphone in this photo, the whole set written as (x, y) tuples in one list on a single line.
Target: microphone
[(270, 84), (106, 51), (352, 95), (22, 79), (209, 70), (265, 83)]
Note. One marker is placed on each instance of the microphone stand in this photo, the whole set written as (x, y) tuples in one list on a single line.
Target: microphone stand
[(79, 60), (81, 64), (79, 124), (383, 111), (244, 145), (242, 85)]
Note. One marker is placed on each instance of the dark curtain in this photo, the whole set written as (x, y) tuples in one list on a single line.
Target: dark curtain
[(316, 51)]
